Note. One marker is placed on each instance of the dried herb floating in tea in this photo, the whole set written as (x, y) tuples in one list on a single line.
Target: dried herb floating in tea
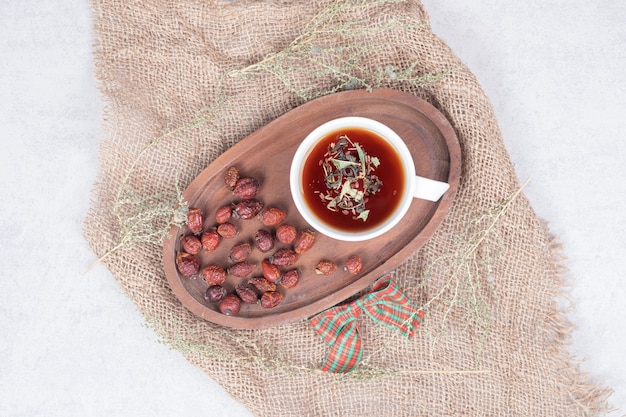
[(350, 179), (343, 177)]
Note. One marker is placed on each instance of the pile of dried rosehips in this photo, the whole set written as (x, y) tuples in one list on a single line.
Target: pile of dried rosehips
[(278, 269)]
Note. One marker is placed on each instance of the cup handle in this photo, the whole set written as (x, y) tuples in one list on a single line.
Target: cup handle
[(428, 189)]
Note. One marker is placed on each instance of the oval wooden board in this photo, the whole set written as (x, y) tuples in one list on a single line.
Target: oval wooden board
[(266, 155)]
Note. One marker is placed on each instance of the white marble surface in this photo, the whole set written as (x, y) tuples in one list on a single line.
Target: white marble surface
[(73, 345)]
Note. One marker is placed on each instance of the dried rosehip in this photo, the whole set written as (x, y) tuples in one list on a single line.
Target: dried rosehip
[(247, 294), (215, 293), (304, 242), (353, 264), (240, 252), (187, 264), (247, 209), (231, 177), (246, 188), (210, 240), (271, 299), (284, 257), (263, 240), (195, 220), (325, 267), (290, 278), (272, 216), (214, 274), (270, 271), (262, 284), (241, 269), (230, 305), (223, 214), (191, 244), (227, 230), (286, 233)]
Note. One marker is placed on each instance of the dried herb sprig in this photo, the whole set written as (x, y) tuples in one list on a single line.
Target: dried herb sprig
[(349, 177), (147, 217), (467, 268), (336, 47), (240, 349)]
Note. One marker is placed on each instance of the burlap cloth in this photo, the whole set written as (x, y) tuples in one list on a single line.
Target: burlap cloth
[(494, 339)]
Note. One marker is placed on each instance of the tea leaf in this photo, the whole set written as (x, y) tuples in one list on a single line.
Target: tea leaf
[(363, 215), (343, 164), (361, 154), (346, 189)]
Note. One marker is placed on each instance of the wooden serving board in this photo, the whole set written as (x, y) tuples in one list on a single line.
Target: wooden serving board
[(266, 155)]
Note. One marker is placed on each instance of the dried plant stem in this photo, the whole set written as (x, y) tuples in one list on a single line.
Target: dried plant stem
[(336, 49), (468, 279), (137, 214), (103, 257), (465, 256), (239, 348), (369, 373)]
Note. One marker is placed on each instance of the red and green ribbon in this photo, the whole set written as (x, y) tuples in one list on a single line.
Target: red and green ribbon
[(339, 326)]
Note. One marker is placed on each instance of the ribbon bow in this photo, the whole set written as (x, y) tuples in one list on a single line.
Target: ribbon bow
[(339, 328)]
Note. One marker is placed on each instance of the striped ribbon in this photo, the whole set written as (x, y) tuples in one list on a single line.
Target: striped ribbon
[(339, 326)]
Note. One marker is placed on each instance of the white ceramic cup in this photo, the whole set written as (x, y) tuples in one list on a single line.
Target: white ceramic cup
[(415, 186)]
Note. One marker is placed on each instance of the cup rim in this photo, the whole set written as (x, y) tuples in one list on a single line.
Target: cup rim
[(306, 146)]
